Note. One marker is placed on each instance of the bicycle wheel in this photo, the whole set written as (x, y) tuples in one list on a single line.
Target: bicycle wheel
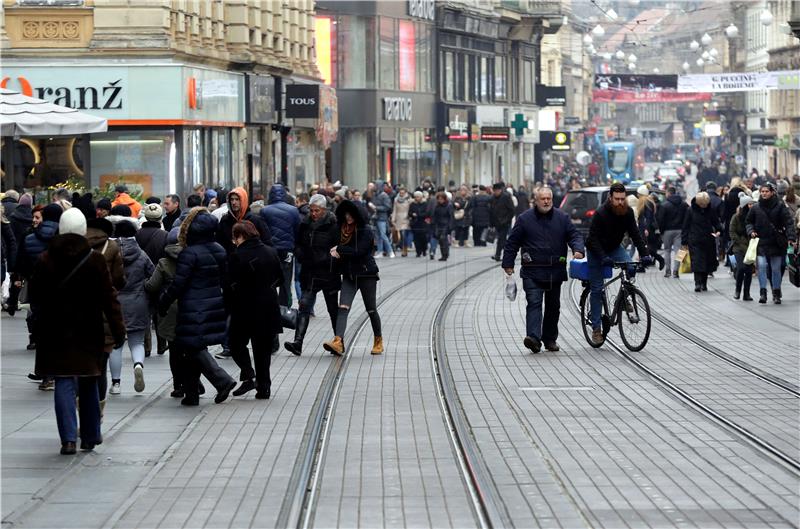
[(634, 318), (586, 321)]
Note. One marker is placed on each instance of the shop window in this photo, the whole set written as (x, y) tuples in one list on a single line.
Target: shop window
[(144, 161), (449, 76), (407, 157), (38, 163), (424, 57), (388, 38), (193, 158), (484, 93), (527, 81), (500, 78), (407, 56), (356, 35)]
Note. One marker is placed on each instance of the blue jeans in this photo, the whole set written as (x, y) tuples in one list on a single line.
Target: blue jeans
[(384, 244), (407, 236), (297, 289), (544, 329), (596, 281), (67, 388), (775, 263), (433, 242)]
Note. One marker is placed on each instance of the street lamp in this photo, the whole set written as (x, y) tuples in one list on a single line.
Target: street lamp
[(632, 58), (706, 55), (700, 62), (731, 31), (620, 54), (705, 39), (694, 45), (656, 71), (766, 18), (632, 66), (714, 52), (598, 31), (587, 39), (607, 55), (686, 66)]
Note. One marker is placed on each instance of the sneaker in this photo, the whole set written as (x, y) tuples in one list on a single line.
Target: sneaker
[(533, 344), (48, 385), (597, 336), (115, 390), (68, 448), (138, 376), (391, 255), (379, 256), (224, 355)]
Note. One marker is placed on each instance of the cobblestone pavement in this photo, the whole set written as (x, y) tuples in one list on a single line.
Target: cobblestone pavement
[(576, 438)]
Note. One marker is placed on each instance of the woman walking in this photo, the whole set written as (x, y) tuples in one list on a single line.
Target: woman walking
[(700, 229), (417, 213), (648, 227), (461, 219), (740, 240), (400, 220), (359, 272), (442, 223)]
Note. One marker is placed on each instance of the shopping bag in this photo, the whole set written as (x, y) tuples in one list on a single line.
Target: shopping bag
[(288, 317), (491, 235), (686, 264), (752, 252), (792, 262), (681, 254), (511, 287)]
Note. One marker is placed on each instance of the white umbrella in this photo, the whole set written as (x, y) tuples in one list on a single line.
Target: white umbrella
[(21, 115)]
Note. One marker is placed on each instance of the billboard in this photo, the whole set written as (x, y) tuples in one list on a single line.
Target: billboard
[(634, 88), (739, 82)]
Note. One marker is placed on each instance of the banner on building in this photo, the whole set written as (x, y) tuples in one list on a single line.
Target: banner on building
[(739, 82), (631, 88)]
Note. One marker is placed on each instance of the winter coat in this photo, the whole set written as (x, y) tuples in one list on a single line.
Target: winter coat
[(479, 209), (36, 243), (671, 213), (9, 206), (282, 219), (732, 203), (763, 218), (523, 202), (355, 256), (254, 272), (543, 238), (608, 229), (303, 211), (417, 213), (157, 284), (126, 200), (442, 219), (152, 239), (109, 249), (138, 267), (21, 223), (647, 222), (68, 329), (313, 251), (382, 202), (197, 284), (8, 254), (400, 212), (170, 218), (738, 232), (697, 234), (502, 210), (717, 206), (461, 203)]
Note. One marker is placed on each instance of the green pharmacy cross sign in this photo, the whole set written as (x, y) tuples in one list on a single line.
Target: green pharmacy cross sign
[(519, 124)]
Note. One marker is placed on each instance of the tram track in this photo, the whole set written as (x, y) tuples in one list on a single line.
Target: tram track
[(299, 504), (788, 462)]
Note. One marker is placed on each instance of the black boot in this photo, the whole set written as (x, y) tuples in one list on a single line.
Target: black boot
[(776, 296), (698, 282), (762, 298), (296, 347), (738, 293), (704, 283)]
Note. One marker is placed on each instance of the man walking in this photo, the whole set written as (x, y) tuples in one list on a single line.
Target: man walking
[(543, 233), (283, 221), (669, 217), (502, 213)]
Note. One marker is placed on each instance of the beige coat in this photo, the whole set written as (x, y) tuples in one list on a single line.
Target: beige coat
[(400, 212)]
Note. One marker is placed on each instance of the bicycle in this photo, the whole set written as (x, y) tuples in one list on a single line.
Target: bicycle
[(631, 312)]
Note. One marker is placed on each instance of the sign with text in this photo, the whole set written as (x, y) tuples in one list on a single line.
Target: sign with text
[(762, 139), (739, 82), (397, 109), (555, 140), (457, 124), (551, 96), (425, 9), (630, 88), (495, 133), (302, 101)]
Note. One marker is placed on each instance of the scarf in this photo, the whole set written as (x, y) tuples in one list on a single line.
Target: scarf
[(347, 232)]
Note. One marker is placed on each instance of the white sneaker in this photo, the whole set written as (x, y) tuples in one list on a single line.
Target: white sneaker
[(391, 255), (138, 375), (379, 256), (114, 388)]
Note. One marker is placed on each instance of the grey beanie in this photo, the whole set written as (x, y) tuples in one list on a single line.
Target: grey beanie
[(745, 199)]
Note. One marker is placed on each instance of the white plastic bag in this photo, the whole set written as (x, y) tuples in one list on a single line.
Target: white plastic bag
[(511, 287), (751, 254)]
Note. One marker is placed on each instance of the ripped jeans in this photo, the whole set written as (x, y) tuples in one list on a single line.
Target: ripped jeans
[(369, 288)]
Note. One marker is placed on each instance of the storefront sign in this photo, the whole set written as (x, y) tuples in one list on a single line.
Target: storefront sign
[(551, 96), (495, 134), (425, 9), (457, 124), (740, 82), (572, 120), (260, 99), (556, 141), (490, 116), (630, 88), (397, 109), (87, 94), (762, 139), (302, 101)]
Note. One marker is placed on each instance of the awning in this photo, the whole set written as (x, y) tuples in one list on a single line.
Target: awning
[(21, 115)]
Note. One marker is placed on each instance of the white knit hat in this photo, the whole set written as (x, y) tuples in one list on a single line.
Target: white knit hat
[(72, 221), (643, 191), (153, 212)]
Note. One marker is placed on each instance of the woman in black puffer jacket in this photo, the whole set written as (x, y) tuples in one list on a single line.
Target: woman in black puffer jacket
[(201, 309), (359, 272)]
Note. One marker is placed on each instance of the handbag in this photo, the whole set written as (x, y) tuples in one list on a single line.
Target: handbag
[(751, 254), (459, 214), (491, 235), (792, 263), (288, 317)]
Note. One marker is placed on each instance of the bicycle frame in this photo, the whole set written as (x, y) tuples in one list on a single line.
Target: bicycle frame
[(626, 276)]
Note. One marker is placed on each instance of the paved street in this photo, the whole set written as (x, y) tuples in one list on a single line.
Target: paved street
[(576, 438)]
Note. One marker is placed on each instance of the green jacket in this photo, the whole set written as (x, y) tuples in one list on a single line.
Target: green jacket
[(158, 283)]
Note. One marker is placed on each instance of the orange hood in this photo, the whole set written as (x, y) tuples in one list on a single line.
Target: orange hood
[(242, 194)]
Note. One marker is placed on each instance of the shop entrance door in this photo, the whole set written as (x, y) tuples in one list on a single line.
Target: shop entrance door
[(387, 163)]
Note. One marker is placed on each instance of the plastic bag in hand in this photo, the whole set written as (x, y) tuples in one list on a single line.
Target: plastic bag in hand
[(511, 287)]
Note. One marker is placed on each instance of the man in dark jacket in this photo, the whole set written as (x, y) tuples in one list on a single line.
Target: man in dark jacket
[(609, 225), (201, 308), (771, 221), (670, 216), (151, 237), (383, 209), (523, 201), (543, 233), (502, 213), (283, 221), (318, 271), (239, 210), (172, 210), (254, 272), (480, 211)]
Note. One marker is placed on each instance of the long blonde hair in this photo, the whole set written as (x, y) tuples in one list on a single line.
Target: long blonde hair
[(644, 200)]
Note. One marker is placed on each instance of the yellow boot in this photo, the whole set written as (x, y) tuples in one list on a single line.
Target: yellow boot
[(377, 348), (335, 346)]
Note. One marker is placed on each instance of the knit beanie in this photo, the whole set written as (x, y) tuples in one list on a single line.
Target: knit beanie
[(52, 212), (26, 200), (122, 210), (745, 199), (125, 227), (153, 212), (72, 221)]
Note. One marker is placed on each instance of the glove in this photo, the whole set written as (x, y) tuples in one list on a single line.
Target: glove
[(607, 261), (647, 260)]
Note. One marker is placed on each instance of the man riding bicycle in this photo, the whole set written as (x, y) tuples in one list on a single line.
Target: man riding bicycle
[(604, 247)]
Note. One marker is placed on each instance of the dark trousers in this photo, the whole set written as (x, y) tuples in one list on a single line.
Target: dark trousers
[(309, 297), (502, 233), (241, 333), (102, 380), (462, 232), (421, 241), (539, 294), (176, 363), (200, 361), (66, 389), (744, 274), (369, 291), (285, 288), (443, 236), (477, 235)]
